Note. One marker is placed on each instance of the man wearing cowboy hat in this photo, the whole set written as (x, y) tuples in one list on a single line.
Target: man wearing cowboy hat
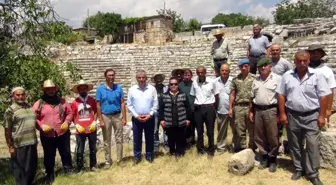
[(221, 50), (53, 116), (84, 111), (160, 89), (316, 54)]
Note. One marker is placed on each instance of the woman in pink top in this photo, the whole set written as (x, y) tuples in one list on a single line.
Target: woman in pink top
[(53, 116)]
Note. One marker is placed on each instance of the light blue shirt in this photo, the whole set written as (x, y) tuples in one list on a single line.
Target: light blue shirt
[(303, 96), (142, 101), (224, 94)]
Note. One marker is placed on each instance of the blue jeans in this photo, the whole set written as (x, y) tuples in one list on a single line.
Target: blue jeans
[(138, 128), (156, 134)]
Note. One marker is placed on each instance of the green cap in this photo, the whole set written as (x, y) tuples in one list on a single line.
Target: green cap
[(263, 61)]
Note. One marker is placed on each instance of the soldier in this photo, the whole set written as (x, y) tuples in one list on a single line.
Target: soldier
[(302, 104), (316, 54), (240, 98), (258, 47), (221, 51), (264, 114)]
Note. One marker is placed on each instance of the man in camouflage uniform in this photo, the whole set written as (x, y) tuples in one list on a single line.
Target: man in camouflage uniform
[(240, 98)]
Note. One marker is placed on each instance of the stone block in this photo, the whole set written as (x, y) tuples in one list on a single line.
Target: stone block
[(333, 30), (242, 162), (328, 149)]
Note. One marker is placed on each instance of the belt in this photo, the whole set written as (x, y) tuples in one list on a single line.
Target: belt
[(113, 113), (255, 56), (304, 113), (265, 107), (204, 105), (242, 104), (218, 60)]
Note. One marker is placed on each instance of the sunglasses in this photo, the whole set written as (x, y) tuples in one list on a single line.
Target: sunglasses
[(172, 84)]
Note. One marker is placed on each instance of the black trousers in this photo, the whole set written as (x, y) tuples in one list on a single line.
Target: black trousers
[(190, 130), (50, 144), (176, 140), (80, 146), (207, 115), (253, 63), (24, 164)]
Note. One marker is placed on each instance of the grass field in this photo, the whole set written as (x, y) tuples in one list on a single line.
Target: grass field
[(191, 169)]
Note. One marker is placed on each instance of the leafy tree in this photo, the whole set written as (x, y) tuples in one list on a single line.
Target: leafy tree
[(178, 22), (28, 28), (104, 23), (238, 19), (286, 11), (131, 20), (194, 24)]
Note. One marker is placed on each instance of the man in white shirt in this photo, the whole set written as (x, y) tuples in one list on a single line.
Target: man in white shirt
[(204, 91), (316, 54)]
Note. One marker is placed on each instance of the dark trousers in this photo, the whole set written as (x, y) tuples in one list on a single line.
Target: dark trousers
[(80, 141), (205, 115), (24, 164), (218, 64), (50, 144), (253, 63), (138, 128), (176, 140), (190, 130)]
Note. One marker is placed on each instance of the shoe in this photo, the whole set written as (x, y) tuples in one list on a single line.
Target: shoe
[(297, 175), (121, 163), (200, 153), (70, 171), (263, 162), (166, 148), (221, 151), (316, 181), (272, 168), (150, 159), (94, 169), (107, 166), (49, 179), (136, 162), (210, 156)]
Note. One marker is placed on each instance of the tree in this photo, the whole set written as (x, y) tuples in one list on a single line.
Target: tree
[(194, 24), (28, 28), (104, 23), (178, 22), (238, 19), (286, 11)]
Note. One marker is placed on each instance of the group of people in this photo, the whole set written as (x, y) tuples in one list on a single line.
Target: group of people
[(255, 107)]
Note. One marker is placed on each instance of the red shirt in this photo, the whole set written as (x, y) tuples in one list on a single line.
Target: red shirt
[(84, 115)]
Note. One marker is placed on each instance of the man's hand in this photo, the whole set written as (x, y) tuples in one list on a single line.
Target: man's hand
[(230, 112), (162, 123), (283, 119), (102, 123), (140, 118), (46, 128), (188, 123), (147, 117), (12, 151), (251, 117), (92, 127), (80, 129), (321, 121), (64, 127), (123, 121)]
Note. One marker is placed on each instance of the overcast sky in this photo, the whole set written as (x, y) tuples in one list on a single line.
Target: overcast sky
[(75, 11)]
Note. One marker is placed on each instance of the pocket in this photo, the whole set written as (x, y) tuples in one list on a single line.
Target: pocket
[(309, 89)]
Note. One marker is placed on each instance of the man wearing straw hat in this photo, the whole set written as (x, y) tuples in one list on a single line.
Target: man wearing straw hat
[(221, 50), (20, 133), (84, 111), (53, 116)]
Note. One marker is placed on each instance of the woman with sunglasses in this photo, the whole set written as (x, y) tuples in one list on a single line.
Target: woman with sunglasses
[(174, 116)]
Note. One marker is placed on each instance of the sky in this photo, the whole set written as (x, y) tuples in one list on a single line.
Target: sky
[(75, 11)]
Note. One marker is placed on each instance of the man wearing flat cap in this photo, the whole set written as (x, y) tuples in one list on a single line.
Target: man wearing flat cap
[(240, 98), (221, 50), (21, 139), (263, 112), (316, 54), (54, 116), (84, 110), (160, 89)]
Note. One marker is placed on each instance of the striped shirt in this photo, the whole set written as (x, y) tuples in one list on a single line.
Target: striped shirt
[(21, 121)]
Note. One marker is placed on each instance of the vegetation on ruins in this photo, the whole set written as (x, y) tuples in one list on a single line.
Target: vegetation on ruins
[(238, 19), (178, 22), (132, 20), (286, 11), (28, 29)]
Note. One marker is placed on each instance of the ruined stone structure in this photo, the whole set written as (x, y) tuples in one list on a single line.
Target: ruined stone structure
[(191, 51)]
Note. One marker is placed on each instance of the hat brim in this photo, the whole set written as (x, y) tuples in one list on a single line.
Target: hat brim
[(57, 87), (217, 34), (323, 52), (75, 88), (153, 79)]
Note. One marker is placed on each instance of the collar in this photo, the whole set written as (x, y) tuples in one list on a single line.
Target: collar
[(138, 87), (270, 76), (107, 87), (205, 82), (310, 71), (173, 93), (23, 106), (221, 81), (83, 99)]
